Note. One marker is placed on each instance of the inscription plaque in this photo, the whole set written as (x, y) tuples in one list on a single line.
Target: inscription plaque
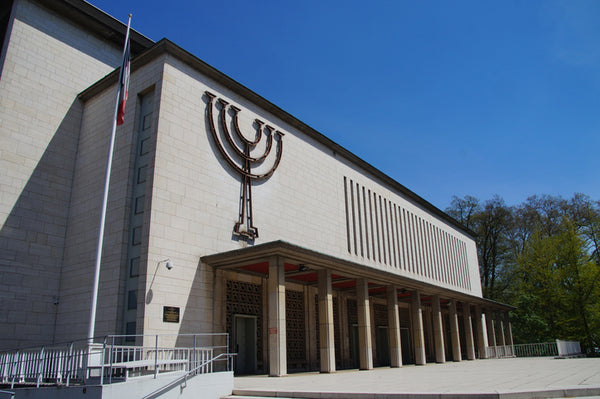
[(170, 314)]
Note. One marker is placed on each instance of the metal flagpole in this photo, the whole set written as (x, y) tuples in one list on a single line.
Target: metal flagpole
[(92, 324)]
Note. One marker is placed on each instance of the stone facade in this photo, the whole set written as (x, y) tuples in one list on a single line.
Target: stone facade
[(46, 62), (329, 224)]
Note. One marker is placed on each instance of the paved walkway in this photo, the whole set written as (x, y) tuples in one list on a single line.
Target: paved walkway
[(493, 378)]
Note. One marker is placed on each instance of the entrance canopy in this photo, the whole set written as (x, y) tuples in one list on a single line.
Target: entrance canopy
[(280, 263), (301, 266)]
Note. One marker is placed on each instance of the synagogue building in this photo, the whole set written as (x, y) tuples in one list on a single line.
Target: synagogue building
[(225, 214)]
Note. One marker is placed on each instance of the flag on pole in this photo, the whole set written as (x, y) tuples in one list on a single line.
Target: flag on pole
[(118, 114), (124, 81)]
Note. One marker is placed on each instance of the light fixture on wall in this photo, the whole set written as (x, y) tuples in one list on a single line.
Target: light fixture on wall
[(168, 263)]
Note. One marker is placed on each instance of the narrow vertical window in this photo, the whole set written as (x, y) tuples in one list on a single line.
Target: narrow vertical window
[(377, 226), (347, 215), (394, 233), (387, 231), (436, 254), (372, 226), (422, 247), (405, 254), (353, 216), (443, 258), (360, 229), (398, 223), (427, 247), (366, 223), (413, 244), (468, 272), (409, 249)]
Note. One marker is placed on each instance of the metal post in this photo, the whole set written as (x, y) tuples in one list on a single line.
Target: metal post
[(156, 357), (39, 367), (103, 362), (16, 369), (96, 284), (69, 363)]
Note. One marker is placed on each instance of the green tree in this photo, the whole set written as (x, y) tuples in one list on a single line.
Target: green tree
[(492, 225), (543, 257), (464, 210), (558, 288)]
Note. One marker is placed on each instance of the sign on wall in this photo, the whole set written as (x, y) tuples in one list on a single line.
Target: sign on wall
[(170, 314)]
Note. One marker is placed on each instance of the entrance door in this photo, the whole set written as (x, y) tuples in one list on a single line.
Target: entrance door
[(382, 342), (245, 344), (407, 357), (354, 354)]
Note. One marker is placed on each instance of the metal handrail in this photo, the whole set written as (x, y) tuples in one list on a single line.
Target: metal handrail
[(65, 363), (12, 394), (185, 377), (536, 349)]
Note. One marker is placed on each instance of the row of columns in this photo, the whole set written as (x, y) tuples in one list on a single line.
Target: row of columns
[(277, 334)]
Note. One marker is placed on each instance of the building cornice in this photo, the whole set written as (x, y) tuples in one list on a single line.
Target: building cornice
[(97, 22)]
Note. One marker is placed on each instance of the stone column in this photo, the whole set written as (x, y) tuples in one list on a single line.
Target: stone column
[(480, 331), (219, 301), (417, 318), (394, 327), (438, 330), (501, 335), (365, 348), (491, 331), (457, 357), (469, 331), (326, 338), (276, 324), (510, 336)]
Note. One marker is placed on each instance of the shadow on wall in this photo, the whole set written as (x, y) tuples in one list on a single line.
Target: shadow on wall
[(197, 317), (32, 237)]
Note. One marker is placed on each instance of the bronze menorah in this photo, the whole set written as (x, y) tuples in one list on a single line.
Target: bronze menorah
[(245, 225)]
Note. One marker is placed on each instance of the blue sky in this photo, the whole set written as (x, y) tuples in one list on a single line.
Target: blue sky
[(448, 98)]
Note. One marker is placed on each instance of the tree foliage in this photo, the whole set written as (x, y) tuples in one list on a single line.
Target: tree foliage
[(541, 256)]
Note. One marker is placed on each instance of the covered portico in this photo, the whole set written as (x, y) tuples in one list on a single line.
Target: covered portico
[(346, 314)]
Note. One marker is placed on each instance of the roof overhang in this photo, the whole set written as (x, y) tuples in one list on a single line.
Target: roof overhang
[(96, 21), (302, 264)]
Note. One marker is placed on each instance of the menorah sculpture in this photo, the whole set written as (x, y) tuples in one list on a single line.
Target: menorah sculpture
[(245, 225)]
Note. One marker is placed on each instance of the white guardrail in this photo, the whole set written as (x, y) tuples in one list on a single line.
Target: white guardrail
[(558, 348), (111, 360)]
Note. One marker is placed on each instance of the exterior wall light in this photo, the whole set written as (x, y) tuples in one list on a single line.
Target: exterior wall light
[(168, 263)]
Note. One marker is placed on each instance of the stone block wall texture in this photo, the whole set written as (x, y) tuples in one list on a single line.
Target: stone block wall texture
[(82, 228), (53, 158), (46, 63), (195, 201)]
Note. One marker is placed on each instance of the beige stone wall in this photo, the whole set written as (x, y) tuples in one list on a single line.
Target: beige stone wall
[(53, 157), (82, 231), (46, 63), (195, 201)]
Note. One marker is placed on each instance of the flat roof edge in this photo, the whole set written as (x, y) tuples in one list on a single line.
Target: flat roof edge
[(98, 22)]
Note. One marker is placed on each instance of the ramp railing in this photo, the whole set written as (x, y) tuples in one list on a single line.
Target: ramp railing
[(555, 348), (114, 359)]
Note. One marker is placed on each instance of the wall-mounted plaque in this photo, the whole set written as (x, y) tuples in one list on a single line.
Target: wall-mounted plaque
[(170, 314)]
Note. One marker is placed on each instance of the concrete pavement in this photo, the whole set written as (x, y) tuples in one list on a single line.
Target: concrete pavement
[(493, 378)]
